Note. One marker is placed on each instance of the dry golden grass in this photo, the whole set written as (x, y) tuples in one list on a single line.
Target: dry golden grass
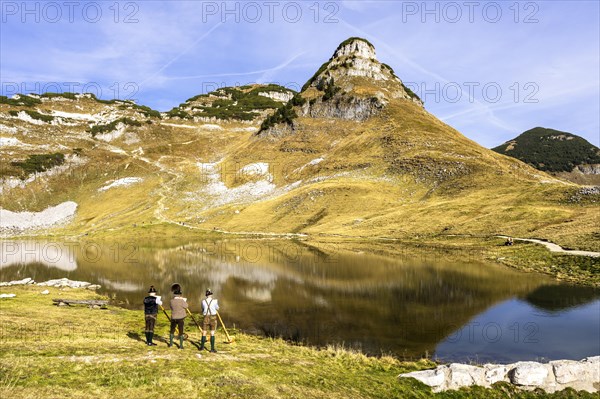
[(400, 174)]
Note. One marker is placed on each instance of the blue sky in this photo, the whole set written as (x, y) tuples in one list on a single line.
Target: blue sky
[(489, 69)]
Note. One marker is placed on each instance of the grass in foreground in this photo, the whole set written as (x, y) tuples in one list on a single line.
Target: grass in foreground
[(77, 352)]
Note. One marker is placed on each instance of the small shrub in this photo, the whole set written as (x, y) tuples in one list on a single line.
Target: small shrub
[(70, 96), (110, 127), (329, 89), (410, 92), (23, 100), (298, 100), (310, 81), (239, 103), (285, 114), (108, 102), (351, 39), (178, 113), (271, 88), (222, 103), (389, 68), (33, 115), (147, 111), (195, 98), (40, 162)]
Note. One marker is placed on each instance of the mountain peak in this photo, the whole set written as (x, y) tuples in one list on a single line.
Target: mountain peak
[(355, 58), (355, 46), (351, 85)]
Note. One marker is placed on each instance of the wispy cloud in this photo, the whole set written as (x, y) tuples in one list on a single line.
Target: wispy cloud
[(264, 72), (174, 52), (178, 56)]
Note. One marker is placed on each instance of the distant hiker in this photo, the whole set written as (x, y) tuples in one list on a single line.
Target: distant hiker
[(151, 304), (509, 241), (210, 306), (178, 314)]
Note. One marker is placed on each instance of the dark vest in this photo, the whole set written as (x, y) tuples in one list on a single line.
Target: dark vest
[(150, 306)]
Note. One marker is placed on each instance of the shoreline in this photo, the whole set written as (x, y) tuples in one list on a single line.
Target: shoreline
[(552, 247)]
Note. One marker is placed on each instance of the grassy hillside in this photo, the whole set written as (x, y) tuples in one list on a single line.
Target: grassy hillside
[(359, 158), (100, 353), (399, 174)]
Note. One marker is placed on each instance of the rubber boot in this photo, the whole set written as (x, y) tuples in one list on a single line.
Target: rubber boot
[(150, 336), (147, 338), (202, 342), (212, 344), (181, 342), (171, 336)]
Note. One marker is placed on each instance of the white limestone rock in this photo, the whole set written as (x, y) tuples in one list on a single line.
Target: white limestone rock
[(529, 374), (495, 373), (64, 283), (464, 375), (592, 369), (25, 281), (433, 378), (593, 169), (566, 371), (283, 97), (357, 47), (552, 377)]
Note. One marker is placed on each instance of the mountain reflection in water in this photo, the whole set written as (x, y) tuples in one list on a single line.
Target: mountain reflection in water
[(404, 305)]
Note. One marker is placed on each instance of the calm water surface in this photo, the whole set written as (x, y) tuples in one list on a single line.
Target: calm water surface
[(409, 306)]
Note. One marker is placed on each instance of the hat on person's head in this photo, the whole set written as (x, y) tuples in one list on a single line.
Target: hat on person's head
[(208, 292), (152, 290)]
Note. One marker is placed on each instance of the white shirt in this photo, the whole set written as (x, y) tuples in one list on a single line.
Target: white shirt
[(158, 300), (210, 306)]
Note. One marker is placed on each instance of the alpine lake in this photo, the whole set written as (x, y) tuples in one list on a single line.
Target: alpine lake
[(410, 305)]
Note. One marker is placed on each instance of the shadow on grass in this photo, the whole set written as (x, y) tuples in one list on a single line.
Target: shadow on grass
[(135, 336), (156, 338), (165, 340), (197, 345)]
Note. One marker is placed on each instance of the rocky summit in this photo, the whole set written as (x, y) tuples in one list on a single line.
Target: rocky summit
[(352, 84)]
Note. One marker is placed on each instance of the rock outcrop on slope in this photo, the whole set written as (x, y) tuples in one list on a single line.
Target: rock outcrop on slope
[(593, 169)]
